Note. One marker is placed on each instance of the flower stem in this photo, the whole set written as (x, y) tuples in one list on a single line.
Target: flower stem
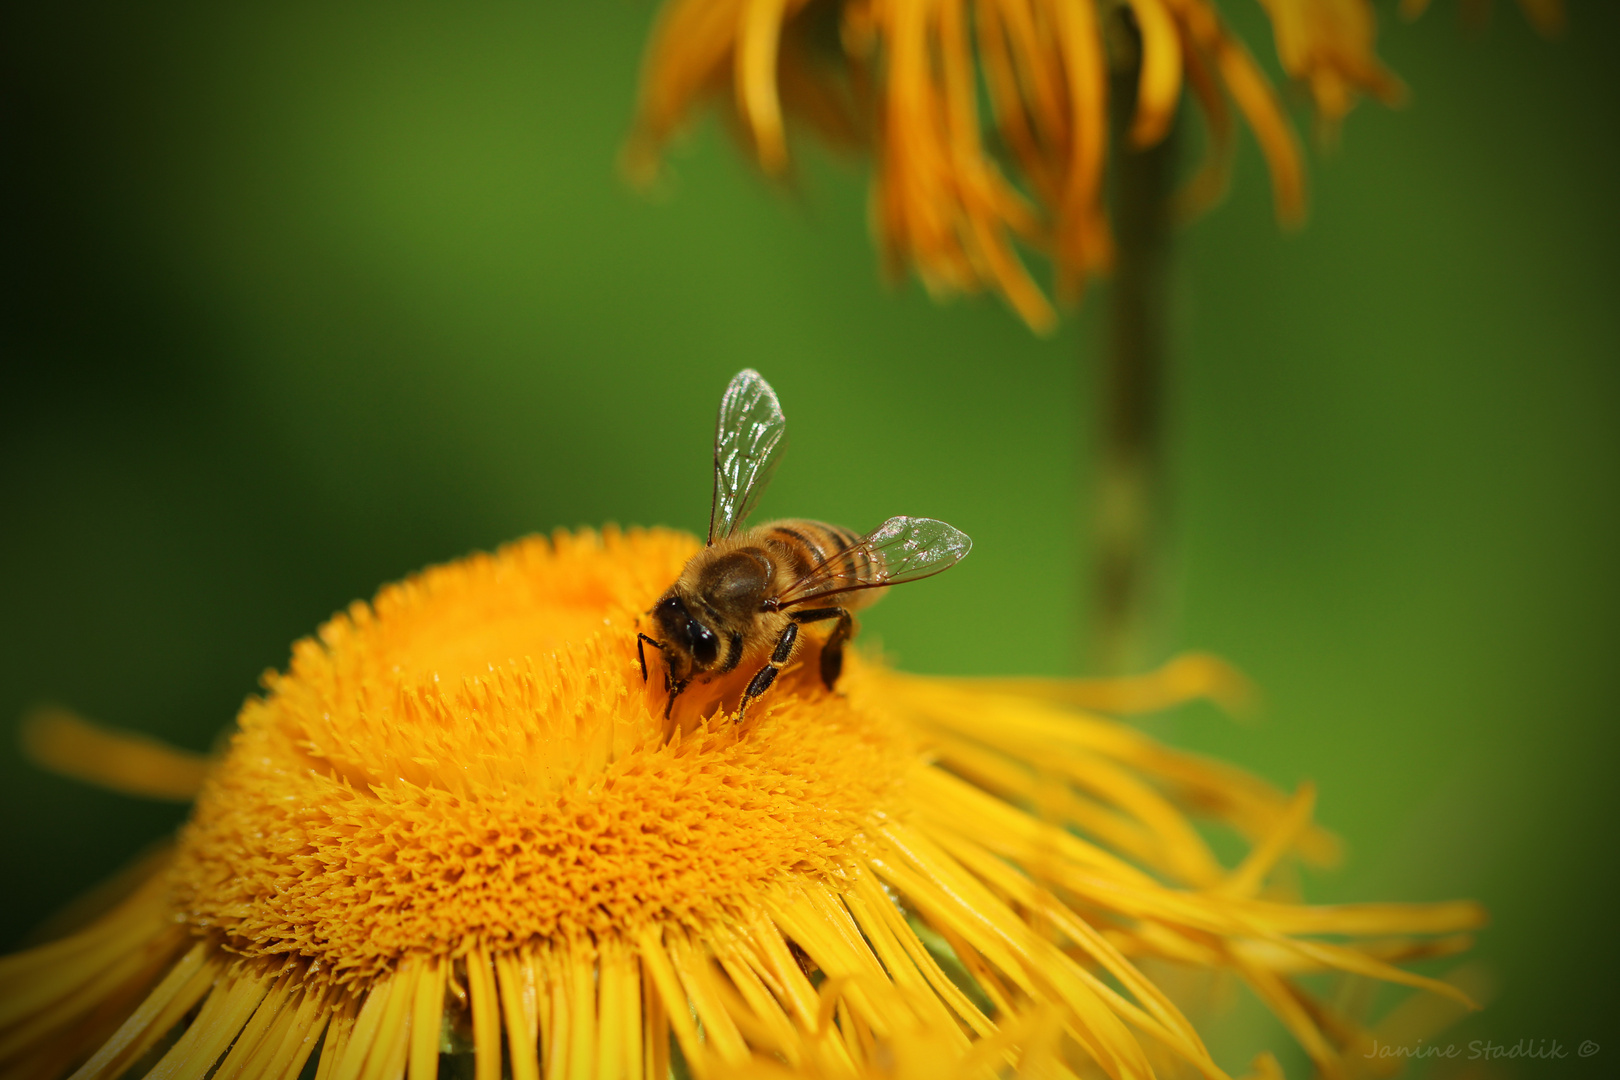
[(1129, 498)]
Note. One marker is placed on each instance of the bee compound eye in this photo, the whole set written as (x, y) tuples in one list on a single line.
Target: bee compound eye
[(705, 646), (672, 616)]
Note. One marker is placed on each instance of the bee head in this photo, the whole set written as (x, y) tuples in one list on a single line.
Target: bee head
[(689, 644)]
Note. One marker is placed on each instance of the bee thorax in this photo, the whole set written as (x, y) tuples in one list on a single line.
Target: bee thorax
[(735, 581)]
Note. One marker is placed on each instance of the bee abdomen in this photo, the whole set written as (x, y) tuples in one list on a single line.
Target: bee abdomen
[(805, 545)]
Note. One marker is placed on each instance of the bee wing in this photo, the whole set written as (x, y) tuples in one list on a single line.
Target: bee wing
[(901, 549), (746, 437)]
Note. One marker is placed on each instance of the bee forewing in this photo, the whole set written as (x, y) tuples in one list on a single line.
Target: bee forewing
[(902, 549), (746, 438)]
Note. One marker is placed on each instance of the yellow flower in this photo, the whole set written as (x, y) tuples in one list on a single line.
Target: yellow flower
[(953, 192), (458, 823)]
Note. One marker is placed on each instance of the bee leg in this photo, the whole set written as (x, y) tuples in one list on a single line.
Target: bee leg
[(675, 689), (766, 675), (832, 653)]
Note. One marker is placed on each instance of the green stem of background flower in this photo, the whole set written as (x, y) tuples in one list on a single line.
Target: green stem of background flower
[(1129, 507)]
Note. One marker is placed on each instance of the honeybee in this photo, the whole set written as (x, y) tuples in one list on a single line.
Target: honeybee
[(749, 591)]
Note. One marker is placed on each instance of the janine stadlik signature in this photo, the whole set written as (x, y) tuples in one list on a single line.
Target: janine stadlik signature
[(1543, 1049)]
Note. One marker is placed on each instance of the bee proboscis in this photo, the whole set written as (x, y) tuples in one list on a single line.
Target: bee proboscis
[(749, 591)]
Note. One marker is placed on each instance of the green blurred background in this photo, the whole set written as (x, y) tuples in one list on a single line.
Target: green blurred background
[(301, 300)]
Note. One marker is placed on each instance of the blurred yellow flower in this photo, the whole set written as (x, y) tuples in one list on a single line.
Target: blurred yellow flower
[(458, 823), (955, 191)]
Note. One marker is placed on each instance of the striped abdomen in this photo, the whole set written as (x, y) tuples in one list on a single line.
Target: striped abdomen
[(800, 546)]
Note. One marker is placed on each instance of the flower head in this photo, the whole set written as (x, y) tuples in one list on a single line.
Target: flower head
[(458, 823), (956, 191)]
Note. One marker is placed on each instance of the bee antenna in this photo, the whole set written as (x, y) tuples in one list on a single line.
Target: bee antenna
[(643, 640)]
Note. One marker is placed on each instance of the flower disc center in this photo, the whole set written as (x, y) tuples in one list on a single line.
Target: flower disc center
[(474, 759)]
